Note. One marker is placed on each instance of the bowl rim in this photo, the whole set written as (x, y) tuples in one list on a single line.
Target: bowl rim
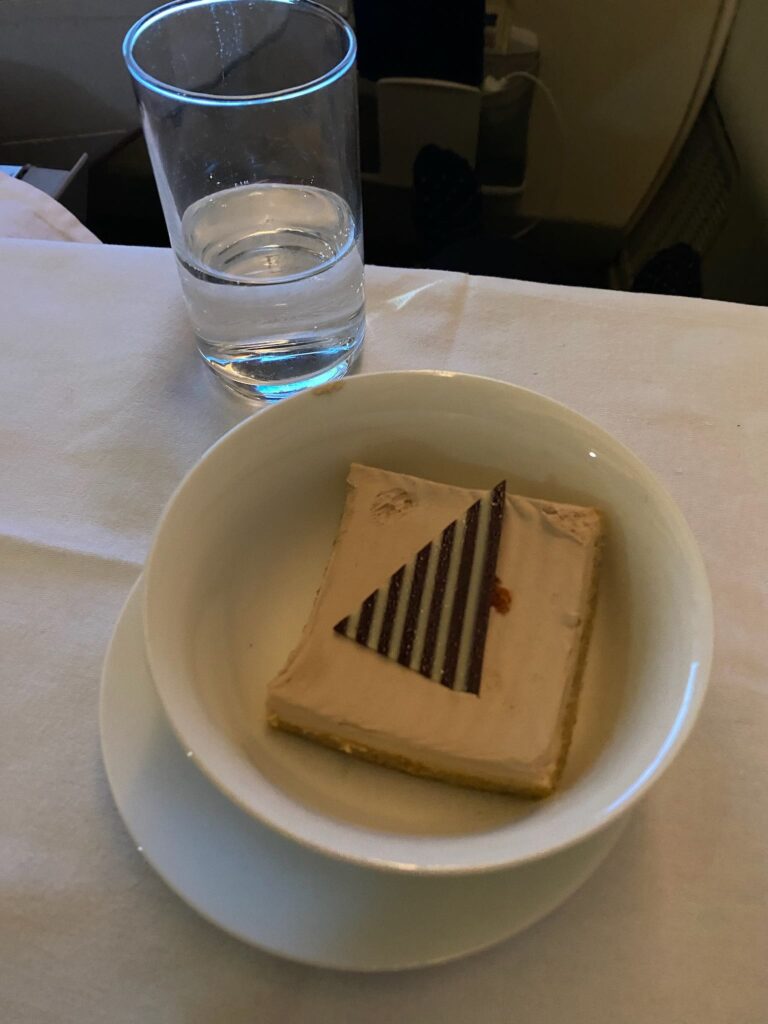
[(328, 837)]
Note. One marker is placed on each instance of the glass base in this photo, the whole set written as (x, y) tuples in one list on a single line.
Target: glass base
[(272, 372)]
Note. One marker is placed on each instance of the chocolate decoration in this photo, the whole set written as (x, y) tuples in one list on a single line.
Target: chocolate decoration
[(437, 632), (390, 611), (366, 617), (448, 675), (438, 599), (487, 588), (414, 606)]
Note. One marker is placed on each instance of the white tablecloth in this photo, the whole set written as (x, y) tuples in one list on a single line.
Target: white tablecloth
[(104, 405)]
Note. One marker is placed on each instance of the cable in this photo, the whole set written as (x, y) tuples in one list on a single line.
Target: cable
[(553, 105)]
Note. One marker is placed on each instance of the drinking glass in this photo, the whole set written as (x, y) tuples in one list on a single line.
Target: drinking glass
[(249, 109)]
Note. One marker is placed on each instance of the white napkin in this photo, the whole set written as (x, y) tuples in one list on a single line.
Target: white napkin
[(26, 212)]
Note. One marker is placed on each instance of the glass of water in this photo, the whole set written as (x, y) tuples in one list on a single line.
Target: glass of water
[(249, 109)]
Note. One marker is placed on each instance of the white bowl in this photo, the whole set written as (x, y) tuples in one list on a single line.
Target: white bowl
[(239, 555)]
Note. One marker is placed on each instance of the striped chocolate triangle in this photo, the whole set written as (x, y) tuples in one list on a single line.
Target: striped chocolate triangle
[(432, 614)]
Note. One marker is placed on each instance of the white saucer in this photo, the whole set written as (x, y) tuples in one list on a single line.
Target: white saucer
[(283, 897)]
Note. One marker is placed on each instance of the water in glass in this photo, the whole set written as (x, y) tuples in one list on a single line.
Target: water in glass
[(273, 276)]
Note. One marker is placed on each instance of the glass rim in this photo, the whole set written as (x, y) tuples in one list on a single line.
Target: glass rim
[(253, 99)]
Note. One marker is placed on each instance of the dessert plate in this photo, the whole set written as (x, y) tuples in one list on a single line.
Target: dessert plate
[(277, 894)]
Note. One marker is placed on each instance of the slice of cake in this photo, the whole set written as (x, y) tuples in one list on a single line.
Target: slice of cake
[(449, 634)]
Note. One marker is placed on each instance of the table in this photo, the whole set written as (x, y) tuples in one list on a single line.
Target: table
[(103, 406)]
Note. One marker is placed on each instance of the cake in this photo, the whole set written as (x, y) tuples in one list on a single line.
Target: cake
[(449, 634)]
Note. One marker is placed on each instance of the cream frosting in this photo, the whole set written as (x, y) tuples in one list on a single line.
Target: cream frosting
[(513, 732)]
